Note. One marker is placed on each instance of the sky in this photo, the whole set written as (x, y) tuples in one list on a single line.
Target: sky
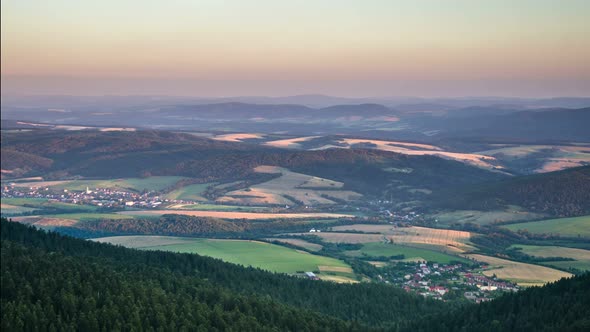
[(212, 48)]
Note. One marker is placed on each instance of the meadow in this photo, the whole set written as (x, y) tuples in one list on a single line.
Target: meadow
[(444, 240), (575, 227), (216, 207), (511, 213), (581, 256), (235, 215), (43, 203), (258, 254), (191, 192), (521, 273), (153, 183), (290, 186)]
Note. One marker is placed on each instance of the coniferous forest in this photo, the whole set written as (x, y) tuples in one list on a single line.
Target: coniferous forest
[(58, 283)]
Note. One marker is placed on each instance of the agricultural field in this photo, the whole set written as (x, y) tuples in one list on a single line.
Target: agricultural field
[(258, 254), (335, 237), (191, 192), (290, 143), (239, 137), (89, 216), (309, 190), (581, 256), (512, 213), (45, 221), (443, 240), (153, 183), (9, 210), (562, 156), (575, 227), (216, 207), (380, 249), (43, 203), (235, 215), (521, 273), (421, 149), (299, 243)]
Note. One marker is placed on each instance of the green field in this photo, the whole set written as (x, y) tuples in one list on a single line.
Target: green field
[(191, 192), (43, 203), (248, 253), (512, 213), (153, 183), (377, 249), (581, 256), (220, 207), (576, 227), (89, 216)]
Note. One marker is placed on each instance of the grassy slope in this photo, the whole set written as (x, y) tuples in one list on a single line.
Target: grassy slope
[(250, 253), (191, 192), (577, 226), (581, 256)]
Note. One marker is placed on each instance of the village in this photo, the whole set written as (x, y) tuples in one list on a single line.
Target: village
[(105, 198), (446, 281)]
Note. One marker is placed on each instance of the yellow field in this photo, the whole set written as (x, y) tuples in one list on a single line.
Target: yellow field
[(565, 156), (237, 137), (235, 215), (292, 184), (292, 143), (424, 149), (337, 279), (521, 273), (449, 240), (330, 268)]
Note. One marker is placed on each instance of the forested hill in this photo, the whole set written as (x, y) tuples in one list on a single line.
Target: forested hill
[(62, 154), (564, 193), (55, 282), (47, 270)]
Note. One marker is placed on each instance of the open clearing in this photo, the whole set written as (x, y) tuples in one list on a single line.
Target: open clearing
[(235, 215), (380, 249), (309, 190), (576, 226), (258, 254), (521, 273), (581, 256), (153, 183)]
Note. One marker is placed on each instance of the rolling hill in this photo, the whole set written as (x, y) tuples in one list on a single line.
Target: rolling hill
[(143, 153)]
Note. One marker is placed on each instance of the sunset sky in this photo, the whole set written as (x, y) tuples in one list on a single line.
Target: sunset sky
[(345, 48)]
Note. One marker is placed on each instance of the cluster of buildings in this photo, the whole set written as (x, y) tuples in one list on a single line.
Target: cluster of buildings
[(101, 197), (440, 281)]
